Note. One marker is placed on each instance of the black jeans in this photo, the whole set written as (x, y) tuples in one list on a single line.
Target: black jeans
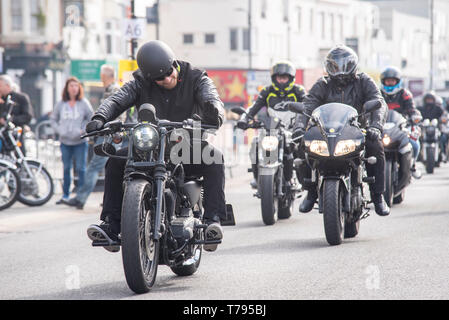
[(213, 186), (377, 170)]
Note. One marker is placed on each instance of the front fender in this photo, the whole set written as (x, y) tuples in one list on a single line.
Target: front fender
[(8, 164)]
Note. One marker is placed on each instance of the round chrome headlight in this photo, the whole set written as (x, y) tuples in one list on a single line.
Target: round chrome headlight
[(270, 143), (145, 137)]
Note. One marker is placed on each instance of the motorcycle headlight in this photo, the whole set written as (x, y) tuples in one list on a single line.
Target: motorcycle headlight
[(145, 138), (270, 143), (434, 122), (319, 147), (386, 140), (345, 146)]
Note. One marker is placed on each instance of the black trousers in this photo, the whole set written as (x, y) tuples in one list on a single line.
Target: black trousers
[(213, 186), (377, 170)]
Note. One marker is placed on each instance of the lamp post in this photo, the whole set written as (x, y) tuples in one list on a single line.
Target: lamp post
[(431, 43)]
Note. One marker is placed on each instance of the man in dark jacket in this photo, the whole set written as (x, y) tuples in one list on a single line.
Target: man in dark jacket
[(21, 113), (400, 100), (431, 109), (282, 89), (344, 85), (177, 91)]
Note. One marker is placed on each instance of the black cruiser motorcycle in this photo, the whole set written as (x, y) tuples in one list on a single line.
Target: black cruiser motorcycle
[(334, 147), (276, 195), (399, 157), (162, 208)]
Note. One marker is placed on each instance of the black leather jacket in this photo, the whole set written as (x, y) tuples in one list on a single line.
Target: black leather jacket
[(355, 94), (194, 93), (431, 112)]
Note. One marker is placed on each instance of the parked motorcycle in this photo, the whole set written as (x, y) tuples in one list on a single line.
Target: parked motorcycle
[(277, 195), (36, 182), (162, 211), (430, 144), (398, 156), (334, 147)]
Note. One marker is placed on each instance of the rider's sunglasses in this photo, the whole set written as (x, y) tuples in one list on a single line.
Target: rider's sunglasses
[(168, 74)]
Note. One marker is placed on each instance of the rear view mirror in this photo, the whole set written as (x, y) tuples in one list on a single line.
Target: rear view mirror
[(372, 105), (296, 107), (147, 113), (238, 110)]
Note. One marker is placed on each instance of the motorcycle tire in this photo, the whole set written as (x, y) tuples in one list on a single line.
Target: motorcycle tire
[(333, 216), (140, 252), (398, 199), (268, 200), (389, 183), (430, 160), (31, 201), (10, 179)]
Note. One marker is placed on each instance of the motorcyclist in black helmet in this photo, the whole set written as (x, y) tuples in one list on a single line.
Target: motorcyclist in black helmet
[(432, 108), (178, 91), (400, 100), (282, 88), (344, 85)]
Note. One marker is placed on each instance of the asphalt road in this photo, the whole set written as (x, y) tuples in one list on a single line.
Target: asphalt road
[(45, 254)]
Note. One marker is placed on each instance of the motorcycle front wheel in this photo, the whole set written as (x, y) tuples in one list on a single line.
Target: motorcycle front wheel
[(140, 252), (268, 200), (333, 215), (38, 188)]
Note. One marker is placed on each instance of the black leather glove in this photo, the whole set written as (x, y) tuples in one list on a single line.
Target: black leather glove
[(242, 124), (94, 125), (373, 134), (297, 133)]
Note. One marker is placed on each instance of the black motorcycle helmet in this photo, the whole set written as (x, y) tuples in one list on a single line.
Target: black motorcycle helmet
[(283, 68), (429, 96), (155, 59), (341, 63)]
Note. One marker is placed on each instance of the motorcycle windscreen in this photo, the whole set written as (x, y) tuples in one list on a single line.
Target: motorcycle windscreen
[(334, 116), (286, 117)]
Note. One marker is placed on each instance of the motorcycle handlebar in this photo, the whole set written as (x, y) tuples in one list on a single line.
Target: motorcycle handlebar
[(115, 127)]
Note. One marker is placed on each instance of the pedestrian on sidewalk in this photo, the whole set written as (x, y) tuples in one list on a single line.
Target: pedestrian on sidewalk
[(97, 163), (69, 120)]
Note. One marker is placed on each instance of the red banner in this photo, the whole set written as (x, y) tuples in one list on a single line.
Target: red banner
[(231, 84)]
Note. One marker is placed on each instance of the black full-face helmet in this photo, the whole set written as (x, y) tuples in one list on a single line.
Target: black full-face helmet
[(429, 99), (341, 63), (155, 59), (283, 68)]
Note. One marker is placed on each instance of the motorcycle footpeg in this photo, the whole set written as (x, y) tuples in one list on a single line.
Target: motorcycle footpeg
[(369, 179), (207, 242), (105, 243), (257, 195)]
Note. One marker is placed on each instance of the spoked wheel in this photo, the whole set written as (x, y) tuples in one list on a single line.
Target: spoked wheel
[(140, 252), (268, 200), (38, 188), (333, 216), (9, 186)]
